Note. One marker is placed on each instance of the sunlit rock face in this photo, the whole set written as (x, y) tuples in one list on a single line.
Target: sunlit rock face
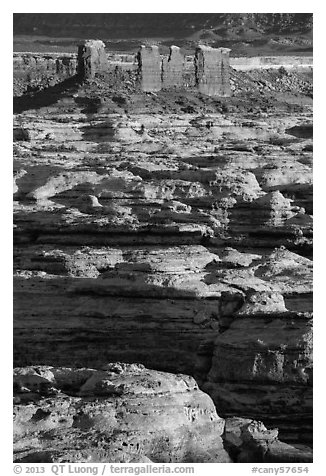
[(173, 68), (121, 414), (149, 61), (213, 71), (91, 59)]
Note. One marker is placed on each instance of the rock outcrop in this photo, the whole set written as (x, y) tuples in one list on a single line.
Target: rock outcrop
[(213, 70), (37, 71), (91, 59), (33, 71), (250, 441), (172, 229), (121, 414), (149, 62), (173, 69)]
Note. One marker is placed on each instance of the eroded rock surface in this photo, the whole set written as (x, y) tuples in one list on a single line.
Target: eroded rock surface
[(173, 68), (170, 229), (149, 61), (91, 59), (249, 441), (121, 414), (213, 70)]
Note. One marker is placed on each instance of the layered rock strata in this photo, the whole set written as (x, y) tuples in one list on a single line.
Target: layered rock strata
[(33, 71), (266, 351), (121, 414), (211, 72), (250, 441), (159, 229)]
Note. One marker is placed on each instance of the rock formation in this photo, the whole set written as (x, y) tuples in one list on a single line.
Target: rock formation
[(121, 414), (213, 70), (249, 441), (173, 68), (270, 347), (91, 59), (149, 62), (171, 229), (33, 71)]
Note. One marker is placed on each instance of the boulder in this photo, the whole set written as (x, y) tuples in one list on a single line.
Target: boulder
[(121, 413)]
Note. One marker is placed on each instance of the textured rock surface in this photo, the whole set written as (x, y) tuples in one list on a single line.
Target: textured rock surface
[(122, 414), (149, 61), (92, 58), (266, 346), (213, 71), (249, 441), (36, 71), (170, 229), (30, 70), (173, 68)]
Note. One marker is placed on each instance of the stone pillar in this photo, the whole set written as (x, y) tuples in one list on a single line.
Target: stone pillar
[(172, 68), (225, 72), (212, 66), (149, 63), (92, 58)]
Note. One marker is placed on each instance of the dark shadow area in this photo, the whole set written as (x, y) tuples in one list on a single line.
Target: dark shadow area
[(20, 134), (305, 131), (46, 97), (100, 131), (103, 131), (111, 322), (90, 105)]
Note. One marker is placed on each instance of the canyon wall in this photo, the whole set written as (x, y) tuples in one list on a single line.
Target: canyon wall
[(161, 237)]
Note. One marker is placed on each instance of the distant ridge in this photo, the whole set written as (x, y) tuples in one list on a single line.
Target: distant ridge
[(177, 25)]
